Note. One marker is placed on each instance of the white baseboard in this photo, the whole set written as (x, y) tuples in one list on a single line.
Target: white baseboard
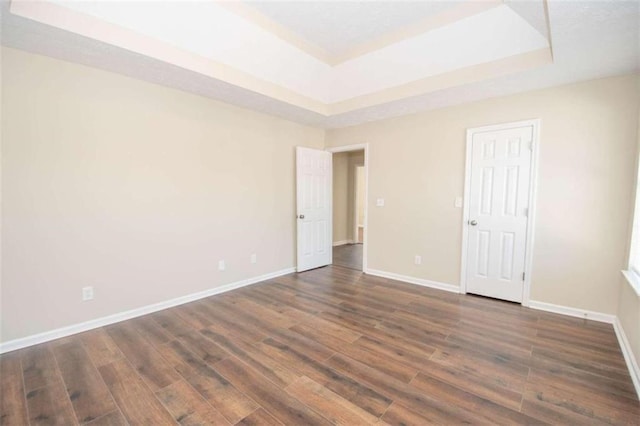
[(35, 339), (573, 312), (47, 336), (629, 358), (632, 365), (413, 280), (342, 242)]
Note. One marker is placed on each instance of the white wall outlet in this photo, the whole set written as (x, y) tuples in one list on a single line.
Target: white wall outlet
[(87, 293), (417, 260), (254, 258), (458, 202), (221, 265), (380, 202)]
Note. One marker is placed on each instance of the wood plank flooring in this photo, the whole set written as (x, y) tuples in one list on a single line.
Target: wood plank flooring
[(328, 346), (348, 256)]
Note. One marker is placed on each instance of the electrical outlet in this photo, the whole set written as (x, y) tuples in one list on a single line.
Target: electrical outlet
[(417, 260), (87, 293), (221, 265), (380, 202), (254, 258)]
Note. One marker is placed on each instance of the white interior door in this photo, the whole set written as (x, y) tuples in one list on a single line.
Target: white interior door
[(498, 209), (314, 176)]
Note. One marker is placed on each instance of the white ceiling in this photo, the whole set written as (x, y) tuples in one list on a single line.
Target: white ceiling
[(449, 62), (339, 26)]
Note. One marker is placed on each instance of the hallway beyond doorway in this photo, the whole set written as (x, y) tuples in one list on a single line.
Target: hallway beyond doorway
[(348, 256)]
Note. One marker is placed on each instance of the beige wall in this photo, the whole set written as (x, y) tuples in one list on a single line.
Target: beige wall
[(131, 188), (587, 150), (356, 158), (135, 189), (360, 188), (344, 175), (629, 300), (340, 197)]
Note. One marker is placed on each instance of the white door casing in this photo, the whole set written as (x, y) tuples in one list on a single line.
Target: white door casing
[(497, 211), (314, 184)]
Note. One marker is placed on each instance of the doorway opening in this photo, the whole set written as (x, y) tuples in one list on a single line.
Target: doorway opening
[(349, 207)]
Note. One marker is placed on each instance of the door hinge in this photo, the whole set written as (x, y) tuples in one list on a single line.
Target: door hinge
[(523, 276)]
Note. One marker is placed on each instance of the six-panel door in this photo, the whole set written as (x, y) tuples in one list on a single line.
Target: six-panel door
[(498, 209), (314, 208)]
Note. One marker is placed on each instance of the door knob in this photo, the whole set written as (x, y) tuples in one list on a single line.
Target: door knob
[(301, 216), (473, 222)]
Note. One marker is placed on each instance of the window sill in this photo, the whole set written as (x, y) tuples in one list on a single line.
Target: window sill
[(633, 280)]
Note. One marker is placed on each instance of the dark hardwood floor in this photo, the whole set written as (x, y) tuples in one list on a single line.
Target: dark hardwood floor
[(329, 346), (348, 256)]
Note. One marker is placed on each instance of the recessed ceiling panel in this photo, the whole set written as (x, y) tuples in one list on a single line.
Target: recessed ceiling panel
[(341, 26), (482, 38)]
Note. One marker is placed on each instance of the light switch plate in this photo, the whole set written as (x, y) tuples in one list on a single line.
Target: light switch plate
[(87, 293), (380, 202), (458, 202)]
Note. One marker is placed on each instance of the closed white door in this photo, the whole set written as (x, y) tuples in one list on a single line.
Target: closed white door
[(498, 210), (314, 203)]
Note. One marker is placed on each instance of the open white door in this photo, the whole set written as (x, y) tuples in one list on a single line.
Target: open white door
[(499, 196), (314, 180)]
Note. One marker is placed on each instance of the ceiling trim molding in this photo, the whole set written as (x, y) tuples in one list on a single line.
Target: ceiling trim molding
[(545, 4), (69, 20), (472, 74)]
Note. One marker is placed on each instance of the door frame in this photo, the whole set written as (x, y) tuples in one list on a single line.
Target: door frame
[(365, 236), (356, 194), (531, 214)]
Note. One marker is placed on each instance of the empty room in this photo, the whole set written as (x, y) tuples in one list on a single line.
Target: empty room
[(319, 212)]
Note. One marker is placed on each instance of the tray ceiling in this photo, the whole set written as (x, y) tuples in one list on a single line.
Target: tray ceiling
[(329, 63)]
